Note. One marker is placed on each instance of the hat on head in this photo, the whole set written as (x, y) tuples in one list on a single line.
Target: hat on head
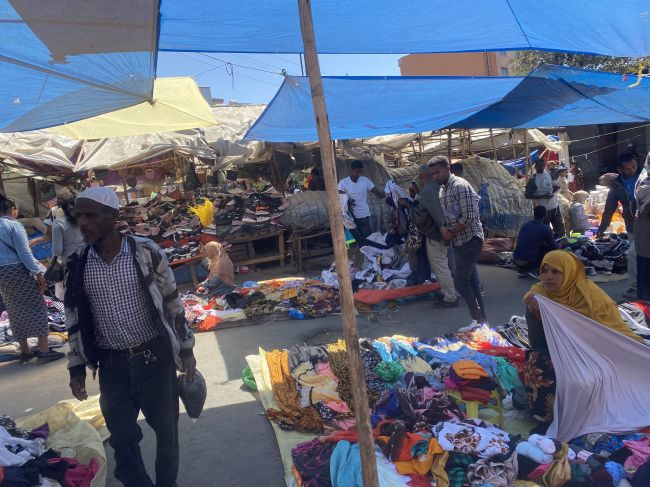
[(102, 195)]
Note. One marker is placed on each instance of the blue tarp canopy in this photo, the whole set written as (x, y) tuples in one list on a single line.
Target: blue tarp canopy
[(62, 61), (370, 106), (604, 27), (65, 60)]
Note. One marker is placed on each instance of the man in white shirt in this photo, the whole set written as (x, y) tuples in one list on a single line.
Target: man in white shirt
[(542, 189), (357, 187)]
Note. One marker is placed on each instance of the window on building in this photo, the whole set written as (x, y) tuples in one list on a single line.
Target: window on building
[(504, 72)]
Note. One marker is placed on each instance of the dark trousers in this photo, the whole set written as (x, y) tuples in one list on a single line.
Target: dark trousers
[(128, 385), (466, 278), (536, 335), (364, 228), (643, 277), (420, 269), (555, 218)]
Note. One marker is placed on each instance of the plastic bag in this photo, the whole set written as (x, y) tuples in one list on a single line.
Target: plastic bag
[(192, 394)]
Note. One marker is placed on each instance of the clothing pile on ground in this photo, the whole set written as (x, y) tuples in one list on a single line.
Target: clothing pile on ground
[(240, 212), (57, 334), (385, 265), (26, 460), (607, 255), (419, 393), (299, 298)]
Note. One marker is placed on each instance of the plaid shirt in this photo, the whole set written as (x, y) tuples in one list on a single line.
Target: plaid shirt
[(460, 205), (123, 317)]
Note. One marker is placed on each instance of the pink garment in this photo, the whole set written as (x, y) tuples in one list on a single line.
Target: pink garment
[(324, 368), (450, 384), (346, 424), (539, 471), (602, 383), (640, 455), (338, 406), (77, 474)]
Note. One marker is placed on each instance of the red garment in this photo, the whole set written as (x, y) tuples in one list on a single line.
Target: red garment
[(418, 480), (376, 296), (514, 354), (77, 474)]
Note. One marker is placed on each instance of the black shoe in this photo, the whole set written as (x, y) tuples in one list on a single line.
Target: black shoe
[(47, 357), (26, 357), (445, 304)]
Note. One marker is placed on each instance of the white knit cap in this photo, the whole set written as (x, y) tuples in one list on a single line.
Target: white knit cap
[(102, 195)]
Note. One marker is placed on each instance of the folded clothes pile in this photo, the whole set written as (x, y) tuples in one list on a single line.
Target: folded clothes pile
[(606, 255)]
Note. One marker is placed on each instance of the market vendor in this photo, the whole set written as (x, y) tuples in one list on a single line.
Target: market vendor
[(534, 241), (357, 187), (642, 231), (542, 190), (621, 191), (564, 281), (221, 277), (125, 319)]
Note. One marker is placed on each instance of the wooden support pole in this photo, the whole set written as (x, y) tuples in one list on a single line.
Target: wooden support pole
[(449, 145), (494, 149), (350, 331), (469, 142)]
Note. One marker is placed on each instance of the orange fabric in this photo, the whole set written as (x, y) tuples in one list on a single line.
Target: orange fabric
[(422, 464), (469, 370), (209, 323), (375, 296)]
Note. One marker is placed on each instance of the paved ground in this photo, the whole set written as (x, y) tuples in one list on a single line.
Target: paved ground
[(232, 444)]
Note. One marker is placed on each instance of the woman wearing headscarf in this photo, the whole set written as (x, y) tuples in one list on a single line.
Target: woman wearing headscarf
[(221, 277), (563, 280), (642, 231)]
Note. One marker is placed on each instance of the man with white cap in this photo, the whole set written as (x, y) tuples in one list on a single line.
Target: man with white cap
[(125, 319)]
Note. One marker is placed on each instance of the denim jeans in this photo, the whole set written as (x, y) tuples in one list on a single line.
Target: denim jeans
[(128, 385), (466, 278), (364, 227)]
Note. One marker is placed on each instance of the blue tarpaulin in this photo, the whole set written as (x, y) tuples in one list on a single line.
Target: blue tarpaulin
[(65, 60), (605, 27), (369, 106)]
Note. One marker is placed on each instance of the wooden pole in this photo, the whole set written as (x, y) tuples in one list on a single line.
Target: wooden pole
[(449, 145), (469, 142), (494, 149), (350, 331)]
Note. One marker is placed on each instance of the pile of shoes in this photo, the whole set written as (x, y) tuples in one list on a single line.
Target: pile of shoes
[(179, 252), (240, 212)]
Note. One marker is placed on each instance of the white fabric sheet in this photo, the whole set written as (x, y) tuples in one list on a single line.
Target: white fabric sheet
[(602, 378)]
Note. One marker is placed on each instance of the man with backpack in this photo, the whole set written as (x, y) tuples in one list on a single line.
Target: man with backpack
[(430, 219)]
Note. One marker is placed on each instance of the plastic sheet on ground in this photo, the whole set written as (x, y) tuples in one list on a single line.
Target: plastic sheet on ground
[(75, 426), (375, 296)]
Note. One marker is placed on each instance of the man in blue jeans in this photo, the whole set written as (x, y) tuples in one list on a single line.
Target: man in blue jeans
[(462, 219)]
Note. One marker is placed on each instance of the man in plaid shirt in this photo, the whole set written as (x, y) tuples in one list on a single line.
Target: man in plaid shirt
[(462, 219)]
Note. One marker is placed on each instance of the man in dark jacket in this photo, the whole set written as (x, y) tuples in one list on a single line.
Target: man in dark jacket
[(534, 241), (125, 319), (438, 237), (622, 191)]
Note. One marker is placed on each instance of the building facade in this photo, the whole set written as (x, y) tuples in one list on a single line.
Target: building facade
[(456, 64)]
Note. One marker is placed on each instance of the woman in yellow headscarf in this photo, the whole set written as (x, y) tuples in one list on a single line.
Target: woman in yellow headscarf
[(563, 279)]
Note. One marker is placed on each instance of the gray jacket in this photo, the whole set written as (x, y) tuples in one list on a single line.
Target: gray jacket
[(429, 199), (158, 280)]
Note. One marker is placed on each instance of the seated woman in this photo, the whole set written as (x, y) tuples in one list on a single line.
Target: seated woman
[(221, 279), (564, 281)]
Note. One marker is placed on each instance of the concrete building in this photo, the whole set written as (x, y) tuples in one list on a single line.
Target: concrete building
[(456, 64)]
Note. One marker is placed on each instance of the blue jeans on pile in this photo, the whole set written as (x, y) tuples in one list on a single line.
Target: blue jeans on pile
[(129, 385), (466, 278), (364, 227)]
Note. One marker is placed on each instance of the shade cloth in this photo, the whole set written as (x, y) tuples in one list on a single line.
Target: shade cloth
[(601, 376), (386, 26), (370, 106), (178, 105)]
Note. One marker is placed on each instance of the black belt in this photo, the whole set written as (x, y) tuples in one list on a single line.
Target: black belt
[(136, 350)]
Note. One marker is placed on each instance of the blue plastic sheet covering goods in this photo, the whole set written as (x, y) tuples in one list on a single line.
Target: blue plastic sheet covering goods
[(63, 60), (366, 107), (614, 28)]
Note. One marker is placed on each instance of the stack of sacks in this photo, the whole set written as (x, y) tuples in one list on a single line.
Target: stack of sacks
[(472, 380)]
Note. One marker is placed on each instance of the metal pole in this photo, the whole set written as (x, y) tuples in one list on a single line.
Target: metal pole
[(350, 331)]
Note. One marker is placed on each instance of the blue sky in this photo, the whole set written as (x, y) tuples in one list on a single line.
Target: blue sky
[(260, 79)]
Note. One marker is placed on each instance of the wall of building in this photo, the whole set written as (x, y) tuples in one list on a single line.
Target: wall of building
[(456, 64)]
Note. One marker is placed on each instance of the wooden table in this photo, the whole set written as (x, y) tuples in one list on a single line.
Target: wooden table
[(191, 262), (247, 252), (298, 238)]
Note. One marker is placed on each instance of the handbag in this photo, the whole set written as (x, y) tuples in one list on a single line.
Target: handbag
[(55, 273)]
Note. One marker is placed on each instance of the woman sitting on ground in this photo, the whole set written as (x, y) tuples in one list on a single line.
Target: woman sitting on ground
[(221, 279), (563, 280)]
